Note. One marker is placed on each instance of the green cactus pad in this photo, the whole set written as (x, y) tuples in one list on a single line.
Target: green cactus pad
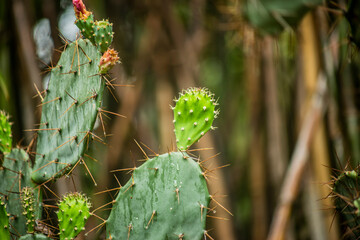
[(29, 205), (17, 172), (69, 111), (4, 221), (5, 133), (72, 215), (166, 198), (194, 114), (34, 237), (86, 27), (346, 190), (103, 34)]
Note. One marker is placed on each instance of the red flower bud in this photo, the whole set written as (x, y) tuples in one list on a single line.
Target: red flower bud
[(108, 60), (80, 10)]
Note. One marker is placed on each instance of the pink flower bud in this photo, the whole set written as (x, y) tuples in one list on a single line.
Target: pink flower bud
[(80, 10), (108, 60)]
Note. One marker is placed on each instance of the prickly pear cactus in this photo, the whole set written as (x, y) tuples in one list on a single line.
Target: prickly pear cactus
[(29, 205), (346, 190), (166, 198), (103, 34), (34, 237), (4, 221), (5, 133), (74, 210), (194, 114), (16, 170), (69, 110)]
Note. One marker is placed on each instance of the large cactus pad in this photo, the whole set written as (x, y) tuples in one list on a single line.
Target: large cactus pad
[(70, 108), (16, 172), (194, 114), (166, 198), (34, 237)]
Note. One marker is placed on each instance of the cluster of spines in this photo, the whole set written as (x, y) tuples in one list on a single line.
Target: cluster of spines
[(5, 133), (194, 114), (4, 221), (28, 205), (74, 210)]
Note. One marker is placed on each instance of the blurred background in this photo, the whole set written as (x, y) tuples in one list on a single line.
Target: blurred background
[(286, 74)]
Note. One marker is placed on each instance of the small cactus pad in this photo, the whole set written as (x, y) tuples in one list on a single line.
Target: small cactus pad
[(4, 221), (103, 34), (166, 198), (346, 190), (34, 237), (29, 205), (108, 60), (5, 133), (194, 114), (86, 27), (69, 111), (17, 172), (72, 215)]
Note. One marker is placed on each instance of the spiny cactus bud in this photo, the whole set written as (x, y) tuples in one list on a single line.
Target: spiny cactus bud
[(108, 60), (74, 210), (80, 10), (28, 205)]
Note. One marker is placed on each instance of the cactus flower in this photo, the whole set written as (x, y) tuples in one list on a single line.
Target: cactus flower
[(80, 10), (108, 60)]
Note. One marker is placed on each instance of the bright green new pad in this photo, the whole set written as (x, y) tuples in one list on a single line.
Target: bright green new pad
[(34, 237), (4, 221), (166, 198), (69, 110), (103, 34), (194, 114), (346, 190), (86, 27), (5, 133), (72, 215), (17, 172), (29, 206)]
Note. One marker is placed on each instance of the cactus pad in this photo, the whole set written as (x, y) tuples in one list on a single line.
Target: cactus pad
[(346, 190), (86, 27), (5, 133), (194, 114), (103, 34), (72, 215), (17, 172), (4, 221), (29, 206), (166, 198), (34, 237), (69, 110)]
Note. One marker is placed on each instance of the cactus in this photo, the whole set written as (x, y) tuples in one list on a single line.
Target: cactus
[(72, 215), (346, 191), (16, 174), (167, 197), (34, 237), (29, 206), (4, 221), (194, 114), (5, 133)]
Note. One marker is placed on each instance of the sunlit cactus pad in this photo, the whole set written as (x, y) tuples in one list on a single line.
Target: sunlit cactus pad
[(34, 237), (166, 198), (194, 114), (4, 221), (74, 210), (69, 110), (5, 133), (17, 172), (346, 190)]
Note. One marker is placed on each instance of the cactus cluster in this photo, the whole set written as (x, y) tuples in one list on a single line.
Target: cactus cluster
[(74, 210)]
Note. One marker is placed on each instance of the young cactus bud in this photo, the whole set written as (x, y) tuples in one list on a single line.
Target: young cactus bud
[(28, 205), (5, 133), (80, 10), (194, 114), (74, 210), (4, 221), (108, 60)]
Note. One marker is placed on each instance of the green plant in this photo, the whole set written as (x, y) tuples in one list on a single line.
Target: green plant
[(4, 221)]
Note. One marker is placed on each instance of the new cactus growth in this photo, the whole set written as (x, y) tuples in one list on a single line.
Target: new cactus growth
[(108, 60), (70, 108), (29, 205), (74, 210), (16, 173), (194, 114), (5, 133), (346, 190), (4, 221)]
